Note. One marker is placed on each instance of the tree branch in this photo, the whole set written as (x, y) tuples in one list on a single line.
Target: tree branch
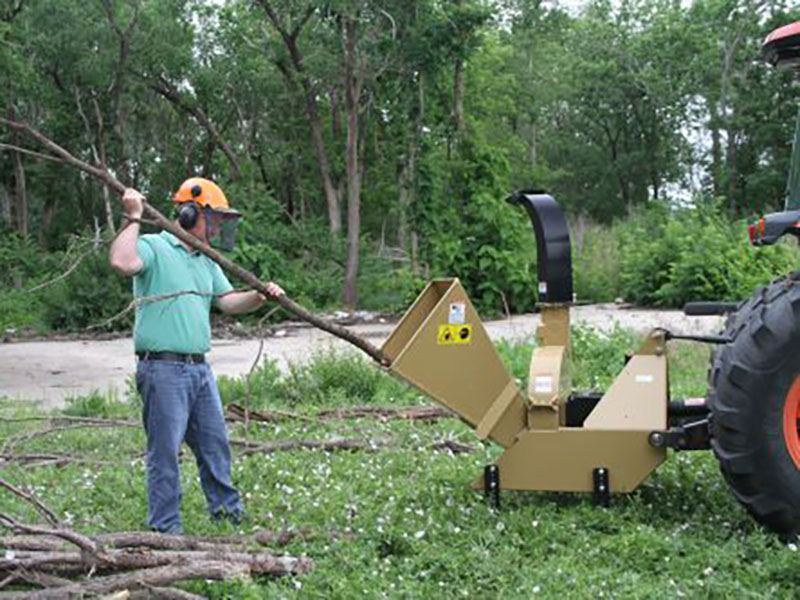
[(13, 148), (48, 514), (165, 88), (227, 264)]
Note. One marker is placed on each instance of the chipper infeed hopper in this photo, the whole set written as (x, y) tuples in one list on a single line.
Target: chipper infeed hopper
[(554, 440)]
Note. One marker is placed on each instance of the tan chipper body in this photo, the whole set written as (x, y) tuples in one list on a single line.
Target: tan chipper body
[(553, 439)]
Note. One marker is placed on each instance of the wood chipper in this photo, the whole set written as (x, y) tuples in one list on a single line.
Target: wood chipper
[(556, 439)]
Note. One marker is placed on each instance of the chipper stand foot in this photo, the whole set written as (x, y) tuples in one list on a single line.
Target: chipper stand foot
[(491, 485), (601, 494)]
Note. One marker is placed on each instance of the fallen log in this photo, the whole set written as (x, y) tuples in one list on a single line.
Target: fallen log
[(155, 541), (162, 593), (145, 578), (236, 412), (127, 559), (346, 444), (250, 447), (411, 413)]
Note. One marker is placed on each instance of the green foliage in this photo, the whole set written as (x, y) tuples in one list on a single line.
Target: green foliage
[(327, 378), (22, 259), (595, 261), (92, 294), (385, 287), (96, 404), (669, 259), (334, 378), (597, 358), (23, 266), (262, 384), (482, 240), (21, 311)]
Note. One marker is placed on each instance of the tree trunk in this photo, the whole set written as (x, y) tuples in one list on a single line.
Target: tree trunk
[(101, 147), (731, 170), (48, 212), (415, 253), (458, 95), (5, 205), (20, 194), (312, 112), (458, 99), (716, 150), (331, 195), (353, 81), (404, 198)]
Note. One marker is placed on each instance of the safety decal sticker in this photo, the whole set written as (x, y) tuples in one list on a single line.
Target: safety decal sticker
[(458, 313), (454, 334), (543, 384)]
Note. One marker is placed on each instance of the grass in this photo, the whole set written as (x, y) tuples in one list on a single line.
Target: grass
[(418, 530)]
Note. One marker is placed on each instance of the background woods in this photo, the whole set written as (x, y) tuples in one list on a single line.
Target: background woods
[(370, 144)]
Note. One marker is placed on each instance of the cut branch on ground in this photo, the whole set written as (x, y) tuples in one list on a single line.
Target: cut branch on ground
[(236, 412), (130, 561)]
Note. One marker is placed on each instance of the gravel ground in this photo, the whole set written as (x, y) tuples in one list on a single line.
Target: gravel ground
[(48, 372)]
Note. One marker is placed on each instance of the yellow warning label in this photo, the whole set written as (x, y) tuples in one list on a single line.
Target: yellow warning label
[(454, 334)]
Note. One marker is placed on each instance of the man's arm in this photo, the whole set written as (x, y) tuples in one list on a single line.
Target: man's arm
[(122, 254), (236, 303)]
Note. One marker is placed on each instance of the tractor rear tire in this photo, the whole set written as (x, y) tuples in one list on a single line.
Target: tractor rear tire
[(754, 399)]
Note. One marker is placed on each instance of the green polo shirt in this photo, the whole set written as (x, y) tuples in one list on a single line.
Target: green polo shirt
[(180, 323)]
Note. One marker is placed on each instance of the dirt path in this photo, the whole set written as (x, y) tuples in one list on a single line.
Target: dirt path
[(49, 372)]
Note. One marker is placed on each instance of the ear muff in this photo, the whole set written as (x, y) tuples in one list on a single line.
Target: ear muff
[(188, 214)]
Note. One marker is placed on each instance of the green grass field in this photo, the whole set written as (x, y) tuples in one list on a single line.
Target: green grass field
[(401, 521)]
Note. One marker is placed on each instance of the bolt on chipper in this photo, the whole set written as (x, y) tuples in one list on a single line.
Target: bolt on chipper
[(554, 438)]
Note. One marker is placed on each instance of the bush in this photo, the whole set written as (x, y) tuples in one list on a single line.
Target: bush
[(328, 378), (384, 287), (256, 391), (90, 295), (23, 266), (95, 404), (595, 259), (468, 231), (668, 259)]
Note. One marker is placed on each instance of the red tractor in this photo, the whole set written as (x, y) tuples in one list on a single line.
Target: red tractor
[(754, 394)]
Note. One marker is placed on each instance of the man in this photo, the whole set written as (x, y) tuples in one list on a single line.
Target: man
[(172, 333)]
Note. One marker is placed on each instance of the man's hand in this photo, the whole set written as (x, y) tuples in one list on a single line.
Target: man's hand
[(274, 290), (133, 202), (236, 303), (122, 255)]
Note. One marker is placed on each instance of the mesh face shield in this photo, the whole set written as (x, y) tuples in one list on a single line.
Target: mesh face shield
[(221, 229)]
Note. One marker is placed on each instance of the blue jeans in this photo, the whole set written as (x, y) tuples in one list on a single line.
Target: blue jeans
[(181, 402)]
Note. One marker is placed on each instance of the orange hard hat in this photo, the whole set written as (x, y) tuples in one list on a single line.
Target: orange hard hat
[(205, 193)]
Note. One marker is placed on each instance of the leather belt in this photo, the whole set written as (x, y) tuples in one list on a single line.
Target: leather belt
[(172, 356)]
